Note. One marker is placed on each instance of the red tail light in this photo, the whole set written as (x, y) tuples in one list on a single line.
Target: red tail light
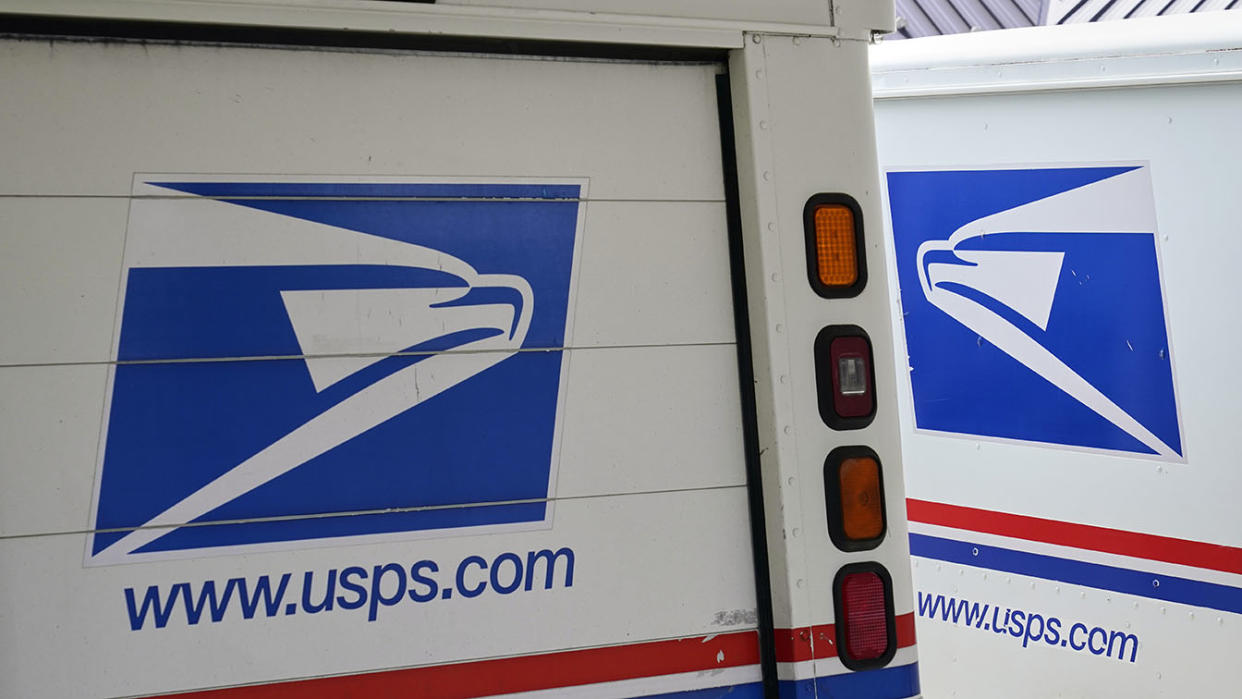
[(865, 629)]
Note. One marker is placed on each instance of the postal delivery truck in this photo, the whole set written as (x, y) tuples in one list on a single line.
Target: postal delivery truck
[(446, 349), (1066, 230)]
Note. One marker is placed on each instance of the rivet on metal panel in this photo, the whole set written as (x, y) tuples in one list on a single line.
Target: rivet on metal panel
[(772, 225), (798, 42), (784, 377), (767, 175), (763, 125), (788, 429), (756, 38), (791, 480), (801, 583), (796, 532), (780, 328)]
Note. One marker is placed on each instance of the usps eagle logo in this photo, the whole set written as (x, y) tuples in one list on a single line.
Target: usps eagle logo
[(333, 361), (1033, 306)]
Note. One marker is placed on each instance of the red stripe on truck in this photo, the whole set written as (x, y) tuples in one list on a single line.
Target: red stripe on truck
[(519, 674), (811, 642), (1083, 536)]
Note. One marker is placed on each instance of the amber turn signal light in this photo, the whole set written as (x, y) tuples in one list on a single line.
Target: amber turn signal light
[(835, 259), (854, 494)]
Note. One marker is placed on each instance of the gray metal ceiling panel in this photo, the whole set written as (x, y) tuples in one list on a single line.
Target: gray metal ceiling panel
[(1148, 8), (936, 17), (945, 15), (913, 22), (1032, 9), (1084, 11), (1104, 10), (1118, 10), (1012, 14), (977, 15)]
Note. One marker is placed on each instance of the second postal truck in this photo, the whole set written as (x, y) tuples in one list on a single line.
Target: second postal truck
[(453, 349), (1065, 219)]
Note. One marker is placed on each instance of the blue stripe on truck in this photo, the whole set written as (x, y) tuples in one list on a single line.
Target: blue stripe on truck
[(899, 682), (1102, 577)]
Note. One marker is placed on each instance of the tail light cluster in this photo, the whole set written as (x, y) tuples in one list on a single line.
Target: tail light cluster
[(853, 478)]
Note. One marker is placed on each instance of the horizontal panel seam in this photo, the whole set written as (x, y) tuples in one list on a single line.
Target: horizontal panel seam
[(367, 355), (473, 200), (382, 511)]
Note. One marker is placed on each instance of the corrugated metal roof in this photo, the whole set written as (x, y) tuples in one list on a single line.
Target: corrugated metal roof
[(1076, 11), (935, 17), (916, 18)]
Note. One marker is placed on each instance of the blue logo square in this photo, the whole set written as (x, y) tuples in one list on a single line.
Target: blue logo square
[(325, 360), (1033, 306)]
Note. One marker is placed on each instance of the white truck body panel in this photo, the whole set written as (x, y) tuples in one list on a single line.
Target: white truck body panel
[(214, 113), (682, 23), (341, 359), (1066, 522)]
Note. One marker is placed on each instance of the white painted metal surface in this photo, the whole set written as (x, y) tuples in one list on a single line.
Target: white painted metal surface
[(684, 23), (651, 480), (787, 315), (163, 197), (1129, 544), (790, 11), (1156, 51)]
